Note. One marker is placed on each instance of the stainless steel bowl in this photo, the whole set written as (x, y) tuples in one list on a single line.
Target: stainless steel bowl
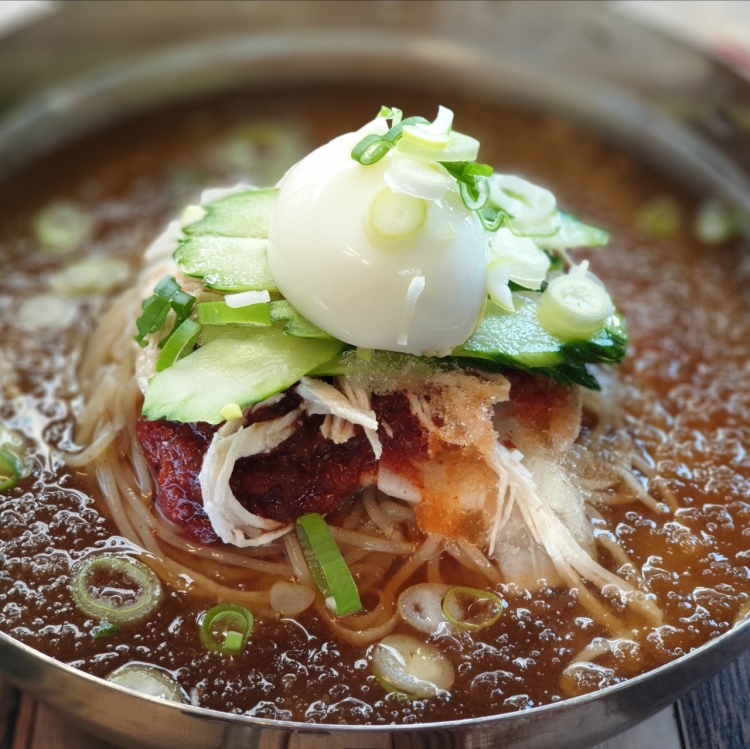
[(85, 64)]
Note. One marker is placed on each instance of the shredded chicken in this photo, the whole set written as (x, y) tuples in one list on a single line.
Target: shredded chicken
[(231, 521)]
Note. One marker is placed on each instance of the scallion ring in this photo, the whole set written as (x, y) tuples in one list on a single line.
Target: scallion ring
[(471, 608), (394, 215), (226, 628), (179, 344), (11, 469), (372, 148), (62, 227), (403, 664), (575, 306), (120, 590), (327, 566), (149, 680)]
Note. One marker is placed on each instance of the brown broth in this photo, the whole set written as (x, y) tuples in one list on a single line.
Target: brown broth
[(687, 378)]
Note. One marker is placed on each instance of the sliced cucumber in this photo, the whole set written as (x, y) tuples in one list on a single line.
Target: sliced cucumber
[(241, 214), (227, 264), (294, 323), (516, 339), (236, 365), (513, 338)]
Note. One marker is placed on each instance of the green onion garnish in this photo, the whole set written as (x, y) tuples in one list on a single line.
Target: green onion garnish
[(105, 629), (149, 680), (372, 148), (118, 590), (575, 306), (11, 469), (220, 313), (167, 295), (327, 566), (470, 608), (180, 342), (226, 628), (62, 227)]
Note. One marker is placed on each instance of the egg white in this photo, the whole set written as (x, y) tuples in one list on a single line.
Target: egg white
[(352, 284)]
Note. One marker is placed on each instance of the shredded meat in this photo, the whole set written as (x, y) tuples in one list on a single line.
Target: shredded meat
[(306, 473)]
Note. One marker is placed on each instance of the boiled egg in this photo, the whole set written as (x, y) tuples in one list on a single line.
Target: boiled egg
[(373, 266)]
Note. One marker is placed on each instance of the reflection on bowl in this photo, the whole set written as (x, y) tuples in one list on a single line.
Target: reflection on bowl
[(319, 74)]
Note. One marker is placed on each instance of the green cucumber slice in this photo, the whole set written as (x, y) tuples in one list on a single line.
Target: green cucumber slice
[(513, 338), (517, 340), (226, 263), (294, 323), (240, 214), (237, 365)]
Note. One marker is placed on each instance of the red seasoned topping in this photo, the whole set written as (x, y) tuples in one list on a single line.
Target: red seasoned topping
[(174, 452), (402, 436), (306, 473)]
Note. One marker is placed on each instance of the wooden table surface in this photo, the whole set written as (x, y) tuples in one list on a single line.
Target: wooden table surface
[(714, 716)]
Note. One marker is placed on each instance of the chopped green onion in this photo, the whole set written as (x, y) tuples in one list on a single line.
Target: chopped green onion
[(106, 629), (220, 313), (433, 135), (119, 590), (420, 606), (226, 628), (149, 680), (11, 469), (191, 214), (403, 664), (327, 566), (167, 295), (96, 275), (572, 233), (372, 148), (394, 114), (714, 223), (417, 177), (290, 599), (575, 306), (470, 608), (262, 151), (525, 263), (497, 281), (179, 344), (62, 227), (532, 210), (50, 312), (660, 218), (460, 147), (394, 215)]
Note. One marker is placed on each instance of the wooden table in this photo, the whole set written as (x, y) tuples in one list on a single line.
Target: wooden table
[(714, 716)]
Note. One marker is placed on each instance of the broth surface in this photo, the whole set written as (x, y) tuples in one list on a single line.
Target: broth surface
[(687, 395)]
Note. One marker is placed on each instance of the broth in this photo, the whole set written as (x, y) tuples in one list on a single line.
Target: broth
[(686, 400)]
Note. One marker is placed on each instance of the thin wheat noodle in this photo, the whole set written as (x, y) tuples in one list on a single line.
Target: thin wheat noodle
[(355, 538)]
